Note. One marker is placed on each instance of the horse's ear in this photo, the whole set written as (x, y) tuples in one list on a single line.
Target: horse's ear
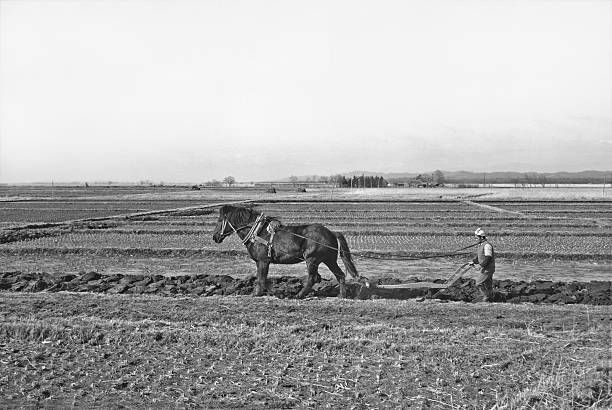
[(252, 208)]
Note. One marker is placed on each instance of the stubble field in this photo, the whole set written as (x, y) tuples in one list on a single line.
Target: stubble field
[(238, 351)]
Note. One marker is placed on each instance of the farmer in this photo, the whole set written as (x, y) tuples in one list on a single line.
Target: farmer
[(485, 258)]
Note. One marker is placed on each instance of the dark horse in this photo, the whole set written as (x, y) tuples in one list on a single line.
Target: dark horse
[(314, 244)]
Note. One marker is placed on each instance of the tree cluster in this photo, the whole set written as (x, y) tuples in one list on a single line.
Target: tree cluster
[(429, 180), (362, 181)]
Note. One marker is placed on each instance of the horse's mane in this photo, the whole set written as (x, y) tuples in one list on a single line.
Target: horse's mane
[(238, 214)]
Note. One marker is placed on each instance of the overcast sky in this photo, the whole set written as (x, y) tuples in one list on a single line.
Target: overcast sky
[(259, 89)]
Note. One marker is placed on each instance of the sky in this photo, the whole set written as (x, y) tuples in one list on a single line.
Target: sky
[(191, 91)]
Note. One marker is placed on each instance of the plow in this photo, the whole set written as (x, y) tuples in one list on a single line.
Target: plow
[(411, 289)]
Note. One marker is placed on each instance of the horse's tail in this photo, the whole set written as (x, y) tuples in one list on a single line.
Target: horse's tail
[(345, 254)]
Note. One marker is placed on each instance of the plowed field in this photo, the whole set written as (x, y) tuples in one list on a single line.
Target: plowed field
[(109, 301)]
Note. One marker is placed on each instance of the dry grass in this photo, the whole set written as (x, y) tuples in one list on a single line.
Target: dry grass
[(99, 350)]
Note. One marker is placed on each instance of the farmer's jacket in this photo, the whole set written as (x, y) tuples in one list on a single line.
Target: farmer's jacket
[(485, 257)]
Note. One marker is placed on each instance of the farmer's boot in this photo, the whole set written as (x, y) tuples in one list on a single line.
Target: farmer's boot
[(487, 294)]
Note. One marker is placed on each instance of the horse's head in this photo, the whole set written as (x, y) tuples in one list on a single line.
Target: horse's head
[(231, 219), (222, 229)]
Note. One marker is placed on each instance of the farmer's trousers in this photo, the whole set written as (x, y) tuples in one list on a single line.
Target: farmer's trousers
[(484, 283)]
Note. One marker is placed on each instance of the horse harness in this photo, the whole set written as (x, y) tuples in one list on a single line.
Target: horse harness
[(253, 235)]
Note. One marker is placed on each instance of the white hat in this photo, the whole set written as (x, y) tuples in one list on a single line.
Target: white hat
[(479, 232)]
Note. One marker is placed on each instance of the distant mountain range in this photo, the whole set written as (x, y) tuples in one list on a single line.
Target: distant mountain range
[(469, 177)]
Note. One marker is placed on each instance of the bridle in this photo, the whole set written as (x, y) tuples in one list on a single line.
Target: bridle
[(254, 229), (234, 230)]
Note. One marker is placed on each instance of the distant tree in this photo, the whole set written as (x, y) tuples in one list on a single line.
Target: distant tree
[(542, 180), (380, 182), (229, 180), (423, 179), (531, 178), (336, 180), (293, 179), (323, 179), (438, 177)]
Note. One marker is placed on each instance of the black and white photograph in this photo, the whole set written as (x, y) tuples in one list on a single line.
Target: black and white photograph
[(290, 204)]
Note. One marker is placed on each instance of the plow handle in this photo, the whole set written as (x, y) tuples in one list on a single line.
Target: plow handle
[(459, 272)]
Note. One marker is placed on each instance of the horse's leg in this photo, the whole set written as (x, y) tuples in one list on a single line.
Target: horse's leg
[(262, 275), (339, 274), (312, 267)]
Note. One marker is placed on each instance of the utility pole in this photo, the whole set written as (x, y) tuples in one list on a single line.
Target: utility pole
[(484, 179)]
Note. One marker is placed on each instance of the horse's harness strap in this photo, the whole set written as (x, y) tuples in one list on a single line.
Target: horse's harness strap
[(224, 226), (253, 235), (254, 229)]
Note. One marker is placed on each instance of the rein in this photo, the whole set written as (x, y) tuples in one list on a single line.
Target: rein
[(369, 255), (455, 252)]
